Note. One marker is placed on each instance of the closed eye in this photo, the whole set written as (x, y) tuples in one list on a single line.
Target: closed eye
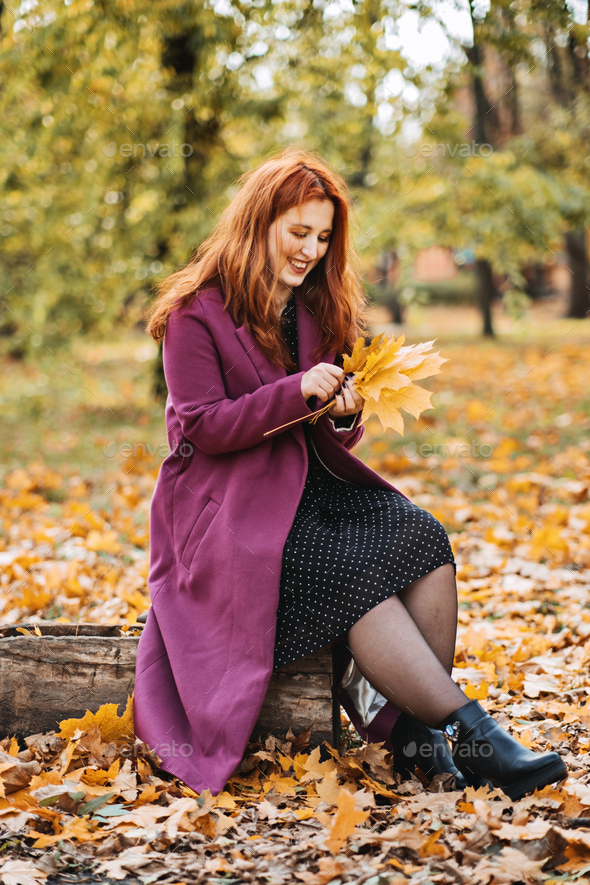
[(300, 236)]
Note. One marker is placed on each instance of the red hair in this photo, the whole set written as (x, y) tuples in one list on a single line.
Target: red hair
[(235, 257)]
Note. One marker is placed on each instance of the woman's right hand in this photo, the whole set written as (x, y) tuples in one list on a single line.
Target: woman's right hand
[(323, 381)]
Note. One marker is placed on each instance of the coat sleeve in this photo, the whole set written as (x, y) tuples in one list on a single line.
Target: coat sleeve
[(349, 436), (342, 424), (208, 417)]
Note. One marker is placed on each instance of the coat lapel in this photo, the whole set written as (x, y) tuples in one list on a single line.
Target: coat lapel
[(308, 338), (267, 371)]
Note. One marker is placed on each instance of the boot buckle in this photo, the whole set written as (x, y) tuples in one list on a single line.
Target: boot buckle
[(452, 732)]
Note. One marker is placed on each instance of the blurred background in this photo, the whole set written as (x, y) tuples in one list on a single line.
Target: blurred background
[(463, 131)]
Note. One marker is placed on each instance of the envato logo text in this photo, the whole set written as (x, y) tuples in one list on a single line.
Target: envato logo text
[(465, 750), (162, 150), (429, 151), (164, 751), (460, 450), (163, 450)]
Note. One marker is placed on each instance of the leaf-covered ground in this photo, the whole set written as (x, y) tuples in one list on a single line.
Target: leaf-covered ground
[(502, 460)]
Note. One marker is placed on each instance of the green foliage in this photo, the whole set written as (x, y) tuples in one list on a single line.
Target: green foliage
[(89, 226), (97, 199)]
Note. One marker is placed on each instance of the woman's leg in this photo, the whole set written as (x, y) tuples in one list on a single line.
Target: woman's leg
[(405, 648), (406, 653), (432, 603)]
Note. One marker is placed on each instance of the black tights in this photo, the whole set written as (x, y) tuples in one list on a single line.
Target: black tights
[(405, 647)]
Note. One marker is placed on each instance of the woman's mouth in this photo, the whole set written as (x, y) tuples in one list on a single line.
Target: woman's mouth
[(298, 266)]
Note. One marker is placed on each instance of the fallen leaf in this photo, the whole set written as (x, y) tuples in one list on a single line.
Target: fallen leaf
[(342, 823)]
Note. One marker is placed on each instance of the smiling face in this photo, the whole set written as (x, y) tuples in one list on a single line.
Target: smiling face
[(297, 240)]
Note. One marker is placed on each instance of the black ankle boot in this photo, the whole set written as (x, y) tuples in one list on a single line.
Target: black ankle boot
[(481, 747), (414, 743)]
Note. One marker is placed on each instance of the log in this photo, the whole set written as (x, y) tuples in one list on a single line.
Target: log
[(60, 675), (299, 694), (72, 668)]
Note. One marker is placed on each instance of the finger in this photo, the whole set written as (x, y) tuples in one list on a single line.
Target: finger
[(351, 387), (334, 372), (349, 403), (349, 400), (325, 377), (341, 407), (326, 392), (358, 399)]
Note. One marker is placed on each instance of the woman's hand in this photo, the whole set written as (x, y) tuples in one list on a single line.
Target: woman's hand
[(348, 402), (325, 381)]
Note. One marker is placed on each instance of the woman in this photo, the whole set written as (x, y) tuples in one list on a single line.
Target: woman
[(268, 546)]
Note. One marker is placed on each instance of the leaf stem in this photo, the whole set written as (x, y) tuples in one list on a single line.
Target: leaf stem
[(312, 418)]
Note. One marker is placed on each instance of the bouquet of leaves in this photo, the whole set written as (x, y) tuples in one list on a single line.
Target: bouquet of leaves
[(384, 372)]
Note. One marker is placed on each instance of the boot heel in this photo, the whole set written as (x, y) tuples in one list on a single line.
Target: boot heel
[(554, 772)]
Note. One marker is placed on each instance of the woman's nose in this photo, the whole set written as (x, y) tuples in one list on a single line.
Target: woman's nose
[(310, 250)]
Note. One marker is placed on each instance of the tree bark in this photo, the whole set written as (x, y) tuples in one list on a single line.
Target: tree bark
[(486, 127), (485, 114), (387, 266), (579, 305), (72, 668), (559, 88), (580, 64), (159, 386), (487, 292), (514, 104)]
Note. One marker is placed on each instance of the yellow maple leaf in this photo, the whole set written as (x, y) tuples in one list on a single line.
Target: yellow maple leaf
[(388, 414), (78, 830), (432, 848), (105, 541), (343, 823), (476, 692), (384, 375), (313, 768), (360, 352), (387, 378), (329, 789), (112, 727)]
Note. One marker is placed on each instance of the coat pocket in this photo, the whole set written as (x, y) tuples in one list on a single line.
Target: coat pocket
[(198, 531)]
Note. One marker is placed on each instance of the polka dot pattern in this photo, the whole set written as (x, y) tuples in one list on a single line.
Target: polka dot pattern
[(350, 547)]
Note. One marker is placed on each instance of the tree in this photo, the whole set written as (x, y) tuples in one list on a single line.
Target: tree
[(117, 130)]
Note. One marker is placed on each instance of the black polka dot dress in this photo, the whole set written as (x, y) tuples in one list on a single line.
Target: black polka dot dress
[(350, 547)]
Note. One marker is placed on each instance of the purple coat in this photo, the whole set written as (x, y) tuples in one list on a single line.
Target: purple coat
[(223, 506)]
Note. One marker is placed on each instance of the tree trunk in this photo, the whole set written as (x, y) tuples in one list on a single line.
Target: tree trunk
[(559, 89), (486, 129), (580, 63), (395, 308), (159, 386), (514, 104), (579, 305), (388, 266), (487, 292), (486, 120)]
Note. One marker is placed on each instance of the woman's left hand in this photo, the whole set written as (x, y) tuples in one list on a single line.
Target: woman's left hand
[(348, 401)]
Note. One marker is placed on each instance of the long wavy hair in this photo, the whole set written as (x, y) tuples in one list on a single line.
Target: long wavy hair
[(236, 258)]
